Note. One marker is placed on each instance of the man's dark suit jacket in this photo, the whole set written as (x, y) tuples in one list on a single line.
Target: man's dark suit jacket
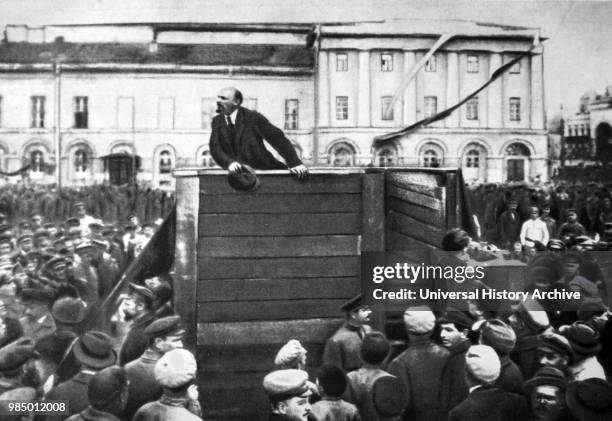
[(490, 403), (247, 147)]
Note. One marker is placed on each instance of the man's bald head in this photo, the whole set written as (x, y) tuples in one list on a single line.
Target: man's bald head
[(228, 100)]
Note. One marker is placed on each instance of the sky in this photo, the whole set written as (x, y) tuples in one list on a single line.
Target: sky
[(577, 56)]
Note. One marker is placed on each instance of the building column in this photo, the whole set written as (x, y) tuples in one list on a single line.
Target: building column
[(495, 109), (324, 89), (410, 95), (537, 89), (452, 88), (364, 111)]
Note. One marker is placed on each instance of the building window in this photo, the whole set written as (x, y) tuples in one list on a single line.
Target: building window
[(386, 111), (472, 159), (342, 155), (250, 103), (431, 159), (81, 116), (386, 62), (291, 114), (38, 112), (431, 106), (165, 162), (431, 64), (342, 62), (386, 157), (341, 108), (515, 109), (81, 158), (471, 106), (516, 68), (209, 110), (37, 161), (472, 64)]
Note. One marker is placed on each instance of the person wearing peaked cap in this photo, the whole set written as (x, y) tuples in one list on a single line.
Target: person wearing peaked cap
[(528, 319), (546, 395), (509, 225), (332, 384), (419, 367), (486, 401), (36, 319), (584, 340), (72, 223), (594, 312), (454, 329), (138, 307), (590, 400), (288, 393), (25, 243), (343, 347), (376, 393), (13, 363), (94, 350), (556, 245), (42, 239), (550, 222), (84, 220), (164, 335), (175, 372), (6, 245), (499, 336), (291, 355), (107, 393), (554, 350)]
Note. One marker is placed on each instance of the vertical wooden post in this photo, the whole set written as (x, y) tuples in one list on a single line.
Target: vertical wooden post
[(185, 261), (452, 201)]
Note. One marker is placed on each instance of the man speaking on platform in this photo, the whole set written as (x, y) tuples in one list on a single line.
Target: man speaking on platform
[(237, 138)]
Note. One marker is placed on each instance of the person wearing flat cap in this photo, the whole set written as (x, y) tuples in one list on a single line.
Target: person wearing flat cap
[(289, 393), (85, 220), (138, 307), (455, 325), (486, 402), (499, 336), (509, 225), (107, 392), (164, 335), (342, 349), (15, 367), (420, 366), (94, 351), (546, 395), (584, 340), (554, 350), (572, 228), (528, 319), (175, 372)]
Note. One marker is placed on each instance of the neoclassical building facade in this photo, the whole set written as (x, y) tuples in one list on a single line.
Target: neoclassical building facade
[(146, 93)]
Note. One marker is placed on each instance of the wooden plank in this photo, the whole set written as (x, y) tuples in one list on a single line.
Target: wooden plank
[(250, 357), (399, 241), (243, 311), (266, 332), (413, 197), (405, 181), (411, 227), (265, 224), (238, 403), (185, 267), (276, 289), (300, 246), (275, 184), (373, 215), (280, 203), (419, 213), (453, 211), (296, 267), (416, 176)]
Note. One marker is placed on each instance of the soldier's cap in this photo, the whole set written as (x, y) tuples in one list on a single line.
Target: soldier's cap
[(244, 179), (69, 310), (96, 226), (34, 255), (556, 245), (49, 225), (74, 231), (570, 210), (78, 204), (24, 224), (590, 400), (175, 368), (498, 335), (24, 237), (141, 291), (106, 386), (41, 232), (85, 247), (461, 319), (17, 353), (389, 396), (545, 376), (482, 362), (6, 239), (4, 228), (72, 222), (166, 326), (285, 384), (60, 240), (353, 304), (100, 242), (36, 295), (95, 349)]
